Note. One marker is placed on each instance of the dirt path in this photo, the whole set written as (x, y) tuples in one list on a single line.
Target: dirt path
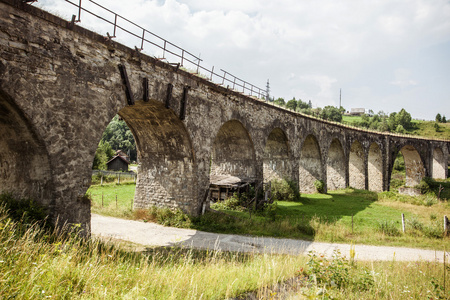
[(151, 234)]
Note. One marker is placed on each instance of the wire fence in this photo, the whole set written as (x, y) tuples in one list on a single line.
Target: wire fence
[(101, 176), (165, 50)]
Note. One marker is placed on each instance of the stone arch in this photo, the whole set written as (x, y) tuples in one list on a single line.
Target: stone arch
[(25, 169), (310, 167), (414, 165), (356, 166), (276, 154), (233, 152), (336, 166), (166, 161), (375, 168), (439, 164)]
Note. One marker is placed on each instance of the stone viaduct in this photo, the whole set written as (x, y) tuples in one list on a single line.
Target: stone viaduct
[(60, 86)]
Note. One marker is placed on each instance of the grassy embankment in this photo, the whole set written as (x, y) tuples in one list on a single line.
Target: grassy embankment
[(419, 127), (42, 263), (319, 217)]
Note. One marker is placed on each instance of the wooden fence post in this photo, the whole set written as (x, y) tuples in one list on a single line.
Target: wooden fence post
[(446, 225), (403, 223)]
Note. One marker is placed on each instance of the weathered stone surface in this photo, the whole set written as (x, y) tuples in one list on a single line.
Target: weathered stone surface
[(60, 86)]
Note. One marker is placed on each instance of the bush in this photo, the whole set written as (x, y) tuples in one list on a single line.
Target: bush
[(284, 190), (424, 185), (320, 186), (414, 223), (233, 203), (25, 210), (337, 273), (388, 228)]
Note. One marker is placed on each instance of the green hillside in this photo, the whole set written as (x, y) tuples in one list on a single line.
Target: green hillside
[(420, 128)]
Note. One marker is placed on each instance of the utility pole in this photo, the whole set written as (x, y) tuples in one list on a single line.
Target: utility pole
[(340, 98), (267, 91)]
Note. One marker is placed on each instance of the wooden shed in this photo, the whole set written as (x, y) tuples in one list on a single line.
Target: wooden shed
[(118, 163)]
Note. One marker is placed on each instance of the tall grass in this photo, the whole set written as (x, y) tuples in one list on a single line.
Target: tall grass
[(38, 264)]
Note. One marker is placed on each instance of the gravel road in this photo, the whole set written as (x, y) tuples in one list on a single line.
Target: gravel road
[(151, 234)]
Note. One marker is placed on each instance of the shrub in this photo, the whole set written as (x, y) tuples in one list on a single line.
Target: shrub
[(388, 228), (434, 231), (24, 210), (337, 272), (424, 186), (235, 202), (284, 190), (320, 186), (414, 223)]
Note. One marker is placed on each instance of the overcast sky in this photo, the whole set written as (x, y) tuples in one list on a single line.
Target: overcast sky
[(385, 54)]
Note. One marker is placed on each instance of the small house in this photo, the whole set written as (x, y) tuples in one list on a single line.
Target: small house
[(118, 163)]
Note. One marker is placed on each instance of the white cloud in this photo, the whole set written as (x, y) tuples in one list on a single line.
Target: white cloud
[(327, 44), (403, 78)]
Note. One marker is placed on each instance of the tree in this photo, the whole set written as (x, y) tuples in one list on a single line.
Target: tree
[(291, 104), (438, 118), (280, 102), (383, 126), (119, 137), (302, 105), (400, 129), (404, 118), (436, 127), (103, 154), (331, 113), (444, 120)]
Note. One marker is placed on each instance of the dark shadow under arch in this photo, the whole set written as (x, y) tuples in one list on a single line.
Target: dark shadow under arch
[(25, 169)]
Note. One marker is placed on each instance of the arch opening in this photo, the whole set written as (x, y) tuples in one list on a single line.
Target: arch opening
[(375, 168), (310, 167), (335, 166), (233, 152), (25, 169), (439, 164), (276, 155), (164, 152), (408, 165), (356, 167), (165, 171)]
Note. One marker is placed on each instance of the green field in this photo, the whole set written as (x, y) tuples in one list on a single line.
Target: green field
[(104, 199), (419, 128)]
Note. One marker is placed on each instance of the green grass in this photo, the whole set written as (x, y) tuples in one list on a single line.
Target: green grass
[(328, 218), (109, 192), (426, 128), (419, 128), (37, 263)]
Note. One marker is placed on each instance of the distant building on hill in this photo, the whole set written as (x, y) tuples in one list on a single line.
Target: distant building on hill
[(357, 111)]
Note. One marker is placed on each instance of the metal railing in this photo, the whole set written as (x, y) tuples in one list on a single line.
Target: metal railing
[(183, 56)]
